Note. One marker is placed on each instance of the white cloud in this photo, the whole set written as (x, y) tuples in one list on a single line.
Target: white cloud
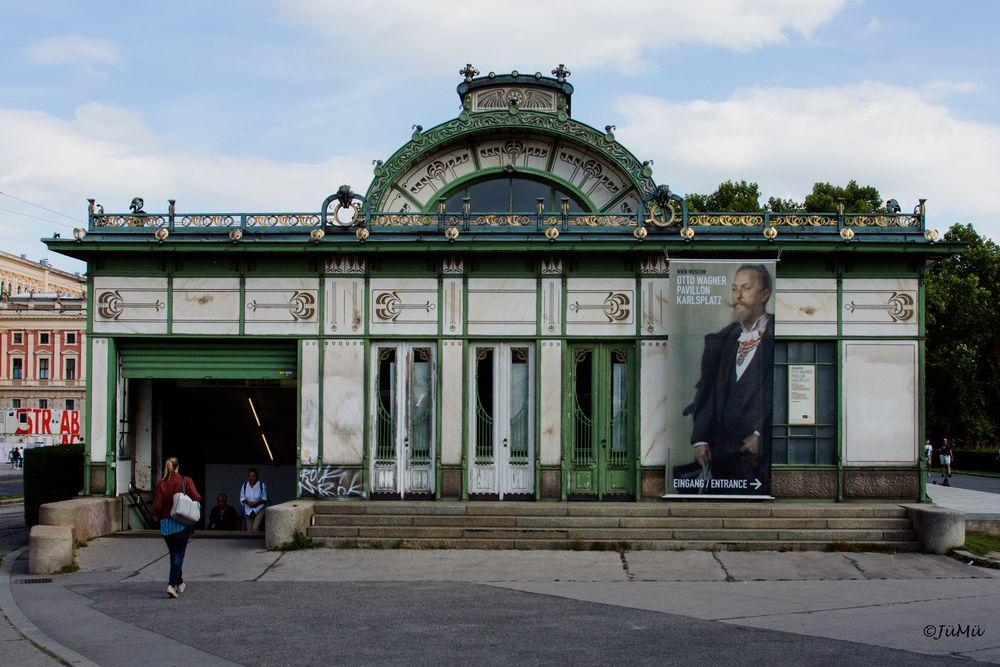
[(940, 88), (108, 153), (75, 50), (786, 139), (585, 33)]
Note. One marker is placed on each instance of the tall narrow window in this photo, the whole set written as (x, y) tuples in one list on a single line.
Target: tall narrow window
[(805, 403), (70, 369), (43, 403), (17, 368), (43, 369)]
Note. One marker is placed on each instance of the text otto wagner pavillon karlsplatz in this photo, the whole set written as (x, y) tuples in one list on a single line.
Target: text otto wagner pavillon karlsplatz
[(513, 309)]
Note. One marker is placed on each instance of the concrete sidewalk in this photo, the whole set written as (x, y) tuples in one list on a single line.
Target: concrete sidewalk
[(360, 605), (976, 505)]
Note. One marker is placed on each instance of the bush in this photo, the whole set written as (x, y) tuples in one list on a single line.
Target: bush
[(50, 474), (965, 459)]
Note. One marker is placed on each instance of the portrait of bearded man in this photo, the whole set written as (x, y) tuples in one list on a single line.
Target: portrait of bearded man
[(731, 433)]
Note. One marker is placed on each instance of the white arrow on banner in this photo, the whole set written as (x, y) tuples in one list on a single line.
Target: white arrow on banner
[(756, 484)]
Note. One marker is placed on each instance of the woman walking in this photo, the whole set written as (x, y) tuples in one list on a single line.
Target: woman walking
[(175, 533)]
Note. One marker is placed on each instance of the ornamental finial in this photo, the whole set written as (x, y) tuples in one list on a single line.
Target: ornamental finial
[(468, 72), (560, 73)]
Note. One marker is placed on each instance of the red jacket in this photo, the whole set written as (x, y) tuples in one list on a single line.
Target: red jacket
[(163, 494)]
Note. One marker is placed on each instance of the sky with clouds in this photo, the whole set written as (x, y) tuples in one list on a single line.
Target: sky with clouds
[(270, 105)]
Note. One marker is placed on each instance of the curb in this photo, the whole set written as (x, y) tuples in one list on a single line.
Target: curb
[(973, 559), (24, 625)]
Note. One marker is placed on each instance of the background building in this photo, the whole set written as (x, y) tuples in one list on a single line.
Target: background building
[(43, 353)]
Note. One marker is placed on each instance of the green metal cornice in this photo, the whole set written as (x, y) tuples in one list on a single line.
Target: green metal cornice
[(427, 143)]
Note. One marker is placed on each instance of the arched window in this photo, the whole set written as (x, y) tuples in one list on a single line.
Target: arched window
[(511, 193)]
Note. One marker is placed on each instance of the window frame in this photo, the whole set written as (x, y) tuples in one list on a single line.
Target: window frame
[(826, 390), (17, 338), (47, 373), (17, 373), (45, 338)]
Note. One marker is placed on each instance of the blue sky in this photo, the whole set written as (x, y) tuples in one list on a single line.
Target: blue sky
[(272, 104)]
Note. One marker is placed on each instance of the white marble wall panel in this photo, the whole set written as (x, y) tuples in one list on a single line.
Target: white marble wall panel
[(452, 355), (206, 306), (424, 181), (502, 306), (550, 411), (142, 429), (880, 307), (552, 319), (805, 307), (99, 397), (653, 403), (309, 402), (124, 305), (524, 152), (343, 402), (403, 306), (344, 308), (655, 296), (281, 306), (595, 176), (879, 419), (600, 307), (453, 315)]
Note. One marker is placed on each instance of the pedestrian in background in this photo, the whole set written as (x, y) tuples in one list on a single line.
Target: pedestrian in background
[(174, 533), (945, 456), (253, 498)]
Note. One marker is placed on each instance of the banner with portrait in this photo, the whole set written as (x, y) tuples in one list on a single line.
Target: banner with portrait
[(720, 378)]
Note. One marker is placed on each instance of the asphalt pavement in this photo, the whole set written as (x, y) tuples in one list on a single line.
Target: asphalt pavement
[(245, 605), (970, 482), (11, 480)]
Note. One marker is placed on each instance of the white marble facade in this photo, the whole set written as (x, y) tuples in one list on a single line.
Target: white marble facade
[(600, 307), (879, 419), (502, 306), (206, 306), (880, 307), (127, 305), (281, 306), (805, 307), (343, 401)]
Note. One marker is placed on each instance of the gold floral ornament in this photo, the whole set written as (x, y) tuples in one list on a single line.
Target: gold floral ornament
[(770, 233), (687, 233), (362, 233), (640, 233), (847, 233), (552, 233), (161, 234), (451, 233)]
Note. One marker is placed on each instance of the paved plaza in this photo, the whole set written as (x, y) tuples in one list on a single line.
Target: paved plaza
[(245, 605)]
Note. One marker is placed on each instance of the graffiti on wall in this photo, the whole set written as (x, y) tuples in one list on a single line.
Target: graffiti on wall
[(331, 482)]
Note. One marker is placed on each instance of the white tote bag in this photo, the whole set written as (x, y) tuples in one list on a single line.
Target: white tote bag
[(185, 510)]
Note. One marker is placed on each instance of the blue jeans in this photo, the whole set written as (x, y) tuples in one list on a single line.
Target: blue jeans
[(177, 545)]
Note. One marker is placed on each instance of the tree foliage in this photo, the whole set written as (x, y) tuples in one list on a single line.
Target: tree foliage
[(963, 341), (744, 197), (857, 198)]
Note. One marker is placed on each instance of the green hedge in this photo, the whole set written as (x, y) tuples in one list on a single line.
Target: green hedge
[(973, 460), (50, 474)]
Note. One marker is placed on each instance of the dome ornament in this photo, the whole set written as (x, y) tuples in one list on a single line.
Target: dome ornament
[(469, 72), (560, 73)]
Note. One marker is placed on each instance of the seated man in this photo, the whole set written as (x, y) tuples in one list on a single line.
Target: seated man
[(223, 515)]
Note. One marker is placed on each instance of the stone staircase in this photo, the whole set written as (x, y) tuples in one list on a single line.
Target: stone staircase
[(613, 526)]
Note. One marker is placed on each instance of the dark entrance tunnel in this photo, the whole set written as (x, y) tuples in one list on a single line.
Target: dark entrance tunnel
[(220, 428)]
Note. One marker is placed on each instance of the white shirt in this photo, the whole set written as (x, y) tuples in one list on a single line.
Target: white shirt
[(755, 333), (256, 492)]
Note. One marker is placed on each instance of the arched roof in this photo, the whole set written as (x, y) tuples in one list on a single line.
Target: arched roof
[(513, 123)]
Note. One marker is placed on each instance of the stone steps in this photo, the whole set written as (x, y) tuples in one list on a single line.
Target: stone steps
[(612, 526)]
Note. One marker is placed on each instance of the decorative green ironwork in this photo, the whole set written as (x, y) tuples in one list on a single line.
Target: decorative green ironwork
[(392, 169)]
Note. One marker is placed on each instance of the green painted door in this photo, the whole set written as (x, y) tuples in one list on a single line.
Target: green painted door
[(600, 438)]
